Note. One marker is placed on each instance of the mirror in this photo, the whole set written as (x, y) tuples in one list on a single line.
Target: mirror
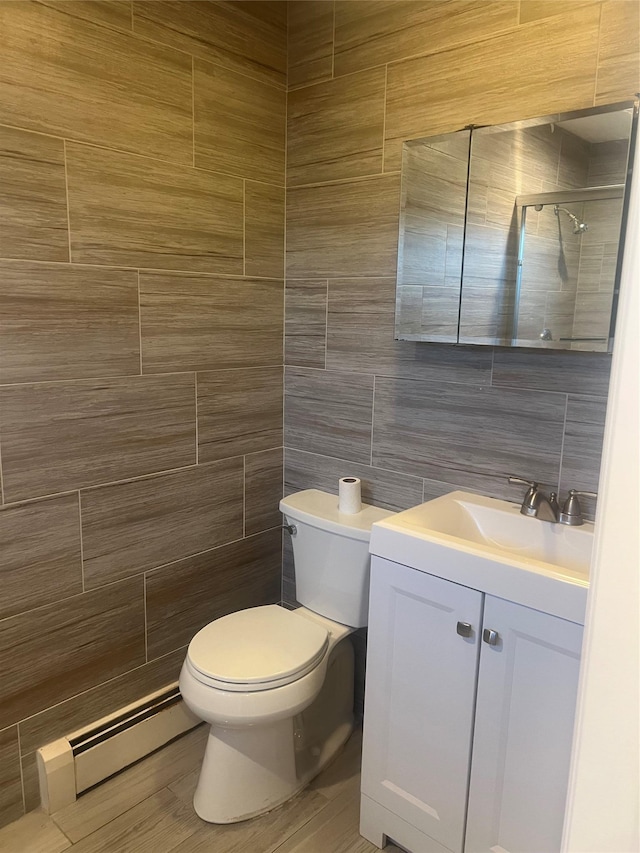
[(432, 215), (510, 235)]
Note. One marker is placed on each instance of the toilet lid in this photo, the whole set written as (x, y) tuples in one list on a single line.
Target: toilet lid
[(258, 646)]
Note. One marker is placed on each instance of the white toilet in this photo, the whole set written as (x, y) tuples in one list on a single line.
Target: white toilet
[(276, 685)]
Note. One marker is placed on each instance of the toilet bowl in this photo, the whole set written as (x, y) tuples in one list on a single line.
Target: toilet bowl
[(276, 685)]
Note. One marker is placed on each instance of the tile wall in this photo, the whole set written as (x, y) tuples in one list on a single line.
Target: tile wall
[(415, 420), (141, 308), (142, 171)]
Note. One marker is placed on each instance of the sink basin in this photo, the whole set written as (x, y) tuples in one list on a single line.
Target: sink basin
[(487, 544), (499, 526)]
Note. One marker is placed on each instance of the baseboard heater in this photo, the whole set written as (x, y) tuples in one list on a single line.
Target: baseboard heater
[(73, 764)]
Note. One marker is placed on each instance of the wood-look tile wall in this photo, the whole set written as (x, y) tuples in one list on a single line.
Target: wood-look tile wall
[(413, 420), (141, 333), (384, 72)]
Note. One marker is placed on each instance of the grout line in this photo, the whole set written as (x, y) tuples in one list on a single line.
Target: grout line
[(150, 476), (193, 110), (595, 76), (505, 387), (66, 835), (284, 403), (105, 586), (132, 376), (373, 405), (144, 601), (470, 42), (298, 87), (299, 829), (351, 462), (195, 383), (81, 539), (279, 87), (384, 115), (333, 43), (286, 48), (176, 164), (152, 270), (2, 501), (358, 179), (320, 278), (284, 324), (392, 377), (284, 229), (284, 307), (66, 196), (94, 687), (326, 324), (22, 790), (564, 435), (260, 452), (38, 499), (196, 554), (139, 324)]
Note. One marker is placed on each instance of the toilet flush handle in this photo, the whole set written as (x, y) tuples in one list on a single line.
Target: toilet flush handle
[(290, 528)]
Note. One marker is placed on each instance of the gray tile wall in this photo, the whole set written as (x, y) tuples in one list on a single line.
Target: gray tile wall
[(414, 421), (401, 413), (141, 330)]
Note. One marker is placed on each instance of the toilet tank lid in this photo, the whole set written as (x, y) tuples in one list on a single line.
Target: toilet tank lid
[(320, 509)]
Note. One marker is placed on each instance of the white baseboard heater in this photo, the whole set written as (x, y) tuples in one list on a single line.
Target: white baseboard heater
[(73, 764)]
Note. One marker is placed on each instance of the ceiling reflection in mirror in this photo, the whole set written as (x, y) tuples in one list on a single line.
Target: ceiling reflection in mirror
[(516, 244)]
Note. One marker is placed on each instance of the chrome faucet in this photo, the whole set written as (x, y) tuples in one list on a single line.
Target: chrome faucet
[(536, 504), (571, 511)]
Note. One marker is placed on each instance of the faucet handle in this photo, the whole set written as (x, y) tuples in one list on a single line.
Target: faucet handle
[(529, 500), (573, 492), (531, 483), (571, 511)]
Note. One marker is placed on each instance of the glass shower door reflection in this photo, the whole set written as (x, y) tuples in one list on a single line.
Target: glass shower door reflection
[(566, 273)]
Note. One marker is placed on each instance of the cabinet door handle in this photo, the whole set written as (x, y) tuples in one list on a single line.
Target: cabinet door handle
[(465, 629), (490, 637)]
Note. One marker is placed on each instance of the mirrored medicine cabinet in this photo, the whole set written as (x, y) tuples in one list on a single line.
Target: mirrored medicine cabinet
[(511, 235)]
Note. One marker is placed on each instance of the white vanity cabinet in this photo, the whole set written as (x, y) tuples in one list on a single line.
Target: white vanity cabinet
[(466, 743), (419, 701)]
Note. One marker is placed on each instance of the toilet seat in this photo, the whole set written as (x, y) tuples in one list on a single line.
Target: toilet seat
[(256, 649)]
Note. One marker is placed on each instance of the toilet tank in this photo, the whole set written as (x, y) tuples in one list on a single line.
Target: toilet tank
[(331, 555)]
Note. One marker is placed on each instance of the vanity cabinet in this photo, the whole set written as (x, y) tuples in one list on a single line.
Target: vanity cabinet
[(466, 743)]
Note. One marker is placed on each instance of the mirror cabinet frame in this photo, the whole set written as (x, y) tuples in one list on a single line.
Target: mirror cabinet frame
[(437, 233)]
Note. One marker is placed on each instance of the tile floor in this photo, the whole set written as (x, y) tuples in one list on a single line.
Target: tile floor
[(148, 809)]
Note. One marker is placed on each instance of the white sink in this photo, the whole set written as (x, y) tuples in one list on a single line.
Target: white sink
[(487, 544)]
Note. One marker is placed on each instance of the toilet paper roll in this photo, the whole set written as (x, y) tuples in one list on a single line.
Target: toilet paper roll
[(349, 495)]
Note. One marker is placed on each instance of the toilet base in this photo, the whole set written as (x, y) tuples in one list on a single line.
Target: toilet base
[(249, 771), (245, 772), (262, 773)]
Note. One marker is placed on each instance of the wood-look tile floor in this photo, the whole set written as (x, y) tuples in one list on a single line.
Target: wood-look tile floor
[(148, 809)]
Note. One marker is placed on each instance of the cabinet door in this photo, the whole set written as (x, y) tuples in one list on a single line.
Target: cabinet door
[(527, 688), (421, 681)]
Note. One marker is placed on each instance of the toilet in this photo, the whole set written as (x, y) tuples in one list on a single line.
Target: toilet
[(276, 685)]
